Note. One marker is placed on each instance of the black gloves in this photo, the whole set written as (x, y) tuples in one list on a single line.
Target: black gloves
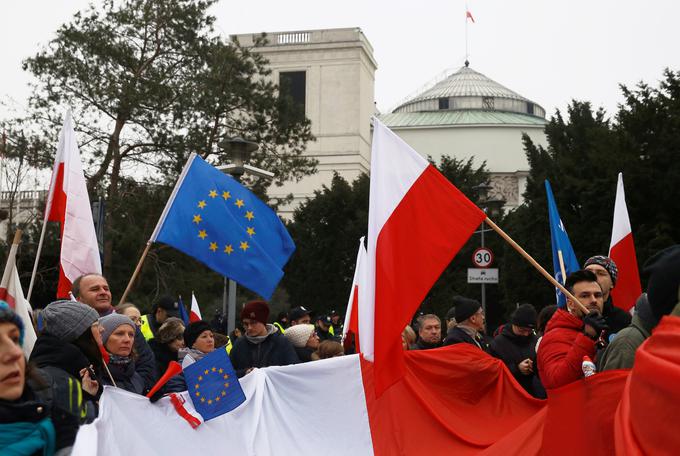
[(595, 321)]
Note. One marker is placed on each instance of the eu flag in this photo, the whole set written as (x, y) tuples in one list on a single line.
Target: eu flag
[(213, 218), (564, 258), (213, 386)]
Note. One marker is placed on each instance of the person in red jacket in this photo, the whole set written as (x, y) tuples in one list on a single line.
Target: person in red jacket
[(571, 334)]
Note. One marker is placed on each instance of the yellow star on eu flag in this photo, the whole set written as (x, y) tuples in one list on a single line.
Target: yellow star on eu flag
[(213, 246), (202, 234), (228, 249), (250, 231), (244, 246), (249, 215), (197, 219), (213, 193), (239, 203), (226, 195), (202, 204)]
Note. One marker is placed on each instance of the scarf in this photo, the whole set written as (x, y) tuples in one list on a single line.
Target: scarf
[(271, 329), (192, 353), (25, 438)]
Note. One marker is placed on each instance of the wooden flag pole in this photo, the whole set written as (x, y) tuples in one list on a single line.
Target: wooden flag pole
[(535, 264), (135, 273)]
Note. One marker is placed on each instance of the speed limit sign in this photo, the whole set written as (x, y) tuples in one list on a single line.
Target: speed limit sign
[(482, 257)]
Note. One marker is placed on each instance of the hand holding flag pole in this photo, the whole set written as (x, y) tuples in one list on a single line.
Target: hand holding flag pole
[(535, 264)]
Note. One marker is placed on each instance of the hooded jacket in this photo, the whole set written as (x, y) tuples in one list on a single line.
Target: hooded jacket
[(562, 349), (512, 350)]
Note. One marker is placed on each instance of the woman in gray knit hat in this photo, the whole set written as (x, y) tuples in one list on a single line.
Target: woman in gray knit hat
[(118, 337)]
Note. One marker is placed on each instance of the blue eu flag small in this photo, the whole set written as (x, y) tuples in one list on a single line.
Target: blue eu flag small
[(213, 386), (219, 222), (564, 258)]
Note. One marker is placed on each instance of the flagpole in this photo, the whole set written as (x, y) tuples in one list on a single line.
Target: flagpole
[(11, 258), (135, 273), (37, 258), (535, 264), (467, 54)]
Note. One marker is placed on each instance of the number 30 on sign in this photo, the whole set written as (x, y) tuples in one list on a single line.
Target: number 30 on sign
[(482, 257)]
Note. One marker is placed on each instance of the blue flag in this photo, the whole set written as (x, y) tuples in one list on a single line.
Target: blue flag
[(219, 222), (183, 315), (563, 253), (213, 386)]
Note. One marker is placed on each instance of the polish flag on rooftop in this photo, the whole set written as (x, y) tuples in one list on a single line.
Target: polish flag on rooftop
[(69, 204), (622, 251), (417, 222)]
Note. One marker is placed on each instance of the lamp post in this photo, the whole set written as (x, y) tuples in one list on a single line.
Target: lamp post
[(492, 207), (239, 150)]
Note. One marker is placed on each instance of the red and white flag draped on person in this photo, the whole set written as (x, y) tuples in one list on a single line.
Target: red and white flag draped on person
[(622, 251), (350, 330), (195, 313), (12, 293), (417, 222), (69, 204)]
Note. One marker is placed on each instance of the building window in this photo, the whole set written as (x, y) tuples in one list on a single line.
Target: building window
[(487, 103), (293, 84), (530, 108), (443, 103)]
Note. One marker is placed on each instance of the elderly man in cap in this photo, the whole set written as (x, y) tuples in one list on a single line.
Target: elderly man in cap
[(470, 325), (299, 316), (262, 345), (515, 346), (606, 272)]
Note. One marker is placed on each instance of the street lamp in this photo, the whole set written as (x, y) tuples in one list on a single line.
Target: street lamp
[(239, 151), (492, 207)]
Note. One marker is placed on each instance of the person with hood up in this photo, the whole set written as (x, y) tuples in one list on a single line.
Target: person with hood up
[(118, 337), (515, 346), (68, 352), (662, 294), (262, 345), (26, 426), (198, 342), (304, 339)]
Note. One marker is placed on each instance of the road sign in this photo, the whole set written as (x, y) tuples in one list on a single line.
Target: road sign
[(482, 275), (482, 257)]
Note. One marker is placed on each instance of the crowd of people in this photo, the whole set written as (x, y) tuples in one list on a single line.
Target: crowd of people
[(86, 343)]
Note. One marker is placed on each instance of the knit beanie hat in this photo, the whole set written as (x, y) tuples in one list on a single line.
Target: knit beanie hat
[(7, 315), (606, 263), (194, 330), (465, 308), (171, 329), (256, 310), (664, 277), (111, 322), (68, 320), (298, 335), (524, 316)]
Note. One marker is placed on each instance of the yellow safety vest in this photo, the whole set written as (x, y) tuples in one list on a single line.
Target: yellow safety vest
[(278, 325), (146, 328), (228, 346)]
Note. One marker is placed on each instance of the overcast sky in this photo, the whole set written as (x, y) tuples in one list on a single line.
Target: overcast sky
[(548, 51)]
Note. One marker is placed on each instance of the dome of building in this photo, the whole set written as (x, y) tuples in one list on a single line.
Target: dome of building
[(468, 96)]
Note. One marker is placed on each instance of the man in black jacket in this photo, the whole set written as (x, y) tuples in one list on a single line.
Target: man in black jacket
[(262, 344), (471, 322), (429, 332), (515, 346), (606, 272)]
